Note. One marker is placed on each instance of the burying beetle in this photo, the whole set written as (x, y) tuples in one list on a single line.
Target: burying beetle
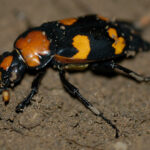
[(70, 44)]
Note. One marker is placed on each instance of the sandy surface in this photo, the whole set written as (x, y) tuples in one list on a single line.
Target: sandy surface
[(57, 121)]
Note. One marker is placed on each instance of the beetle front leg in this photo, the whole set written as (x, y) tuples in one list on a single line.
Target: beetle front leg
[(75, 92), (34, 89)]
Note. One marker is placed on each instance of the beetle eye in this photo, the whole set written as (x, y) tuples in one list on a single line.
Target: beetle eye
[(14, 73)]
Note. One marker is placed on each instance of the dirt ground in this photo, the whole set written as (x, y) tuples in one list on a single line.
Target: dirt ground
[(55, 120)]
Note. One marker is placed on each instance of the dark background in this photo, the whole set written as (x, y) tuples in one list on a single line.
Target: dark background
[(57, 121)]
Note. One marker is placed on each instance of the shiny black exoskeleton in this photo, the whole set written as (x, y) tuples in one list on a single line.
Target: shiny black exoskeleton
[(92, 42)]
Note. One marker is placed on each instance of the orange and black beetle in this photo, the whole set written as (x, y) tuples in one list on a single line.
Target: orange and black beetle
[(71, 44)]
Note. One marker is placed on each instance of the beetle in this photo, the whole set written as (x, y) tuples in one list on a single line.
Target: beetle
[(88, 42)]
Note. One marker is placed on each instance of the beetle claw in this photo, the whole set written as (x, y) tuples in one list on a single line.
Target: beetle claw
[(19, 108)]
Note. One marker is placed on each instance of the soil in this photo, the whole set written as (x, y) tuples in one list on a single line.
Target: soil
[(55, 120)]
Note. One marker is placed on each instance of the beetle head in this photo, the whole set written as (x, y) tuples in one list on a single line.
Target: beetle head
[(11, 70)]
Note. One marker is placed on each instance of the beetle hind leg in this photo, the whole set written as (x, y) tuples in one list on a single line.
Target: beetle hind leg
[(132, 74), (112, 66), (75, 92)]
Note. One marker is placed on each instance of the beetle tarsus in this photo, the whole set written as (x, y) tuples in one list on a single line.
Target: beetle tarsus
[(20, 107)]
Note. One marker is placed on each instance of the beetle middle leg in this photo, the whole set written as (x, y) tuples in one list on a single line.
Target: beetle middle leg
[(75, 92), (34, 89), (116, 67)]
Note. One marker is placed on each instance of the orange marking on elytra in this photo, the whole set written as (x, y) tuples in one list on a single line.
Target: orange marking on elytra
[(5, 64), (112, 33), (82, 44), (34, 44), (103, 18), (68, 21), (119, 43)]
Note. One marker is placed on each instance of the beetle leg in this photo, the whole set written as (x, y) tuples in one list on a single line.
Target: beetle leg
[(131, 73), (112, 66), (75, 92), (34, 89)]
